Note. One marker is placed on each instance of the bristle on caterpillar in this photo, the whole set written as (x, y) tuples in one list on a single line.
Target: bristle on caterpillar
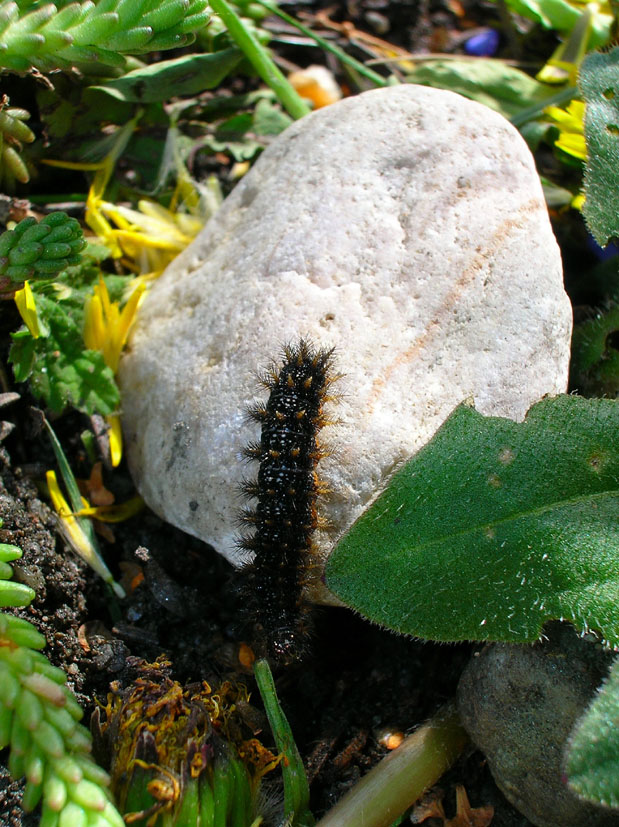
[(285, 516)]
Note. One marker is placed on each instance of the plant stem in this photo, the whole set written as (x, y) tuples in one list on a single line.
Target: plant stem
[(296, 788), (401, 778), (260, 60), (377, 80)]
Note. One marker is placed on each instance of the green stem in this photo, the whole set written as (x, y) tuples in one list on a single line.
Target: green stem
[(536, 110), (296, 788), (377, 80), (402, 777), (260, 60)]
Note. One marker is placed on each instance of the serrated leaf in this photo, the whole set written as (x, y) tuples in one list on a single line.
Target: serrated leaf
[(187, 75), (493, 528), (593, 757), (599, 83), (234, 137), (60, 369)]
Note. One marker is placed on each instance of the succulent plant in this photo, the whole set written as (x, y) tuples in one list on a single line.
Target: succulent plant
[(40, 249), (13, 133), (39, 722), (93, 36)]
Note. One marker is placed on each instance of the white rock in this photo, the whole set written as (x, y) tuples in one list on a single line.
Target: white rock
[(406, 227)]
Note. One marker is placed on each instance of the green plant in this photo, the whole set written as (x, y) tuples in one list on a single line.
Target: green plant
[(40, 249), (50, 351), (181, 755), (599, 82), (95, 37), (595, 356), (13, 133), (39, 722), (494, 528)]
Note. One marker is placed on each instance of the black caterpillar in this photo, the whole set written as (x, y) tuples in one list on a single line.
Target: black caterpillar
[(286, 489)]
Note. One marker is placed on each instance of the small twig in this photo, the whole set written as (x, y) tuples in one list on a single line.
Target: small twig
[(402, 777)]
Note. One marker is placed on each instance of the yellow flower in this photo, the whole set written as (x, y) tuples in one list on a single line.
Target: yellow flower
[(570, 122), (75, 534), (24, 300), (149, 238), (106, 326)]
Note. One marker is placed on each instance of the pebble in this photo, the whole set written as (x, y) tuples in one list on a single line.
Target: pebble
[(519, 705), (407, 228)]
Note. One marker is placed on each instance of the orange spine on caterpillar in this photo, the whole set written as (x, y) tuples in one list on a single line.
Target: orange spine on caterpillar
[(286, 489)]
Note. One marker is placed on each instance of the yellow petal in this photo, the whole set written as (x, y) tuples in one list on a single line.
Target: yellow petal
[(115, 436), (577, 202), (573, 144), (94, 325), (75, 536), (113, 513), (28, 310), (129, 311)]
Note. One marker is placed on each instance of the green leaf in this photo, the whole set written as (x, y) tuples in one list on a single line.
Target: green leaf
[(187, 75), (562, 15), (493, 528), (594, 368), (495, 84), (593, 757), (599, 83), (23, 354), (269, 119), (60, 369), (234, 137)]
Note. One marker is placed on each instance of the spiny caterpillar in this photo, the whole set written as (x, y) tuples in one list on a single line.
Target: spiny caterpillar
[(286, 488)]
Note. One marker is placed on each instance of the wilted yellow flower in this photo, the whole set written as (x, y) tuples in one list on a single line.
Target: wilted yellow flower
[(24, 300), (202, 768), (149, 237), (75, 534), (106, 328), (316, 84), (570, 122)]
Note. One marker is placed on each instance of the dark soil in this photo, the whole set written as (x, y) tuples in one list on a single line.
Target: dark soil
[(348, 691)]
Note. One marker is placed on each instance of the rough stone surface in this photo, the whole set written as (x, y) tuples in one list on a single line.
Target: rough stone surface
[(519, 705), (407, 228)]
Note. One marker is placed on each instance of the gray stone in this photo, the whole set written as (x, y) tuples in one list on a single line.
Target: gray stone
[(519, 705), (406, 227)]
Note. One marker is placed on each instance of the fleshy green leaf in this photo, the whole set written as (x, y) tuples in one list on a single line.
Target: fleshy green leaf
[(593, 758), (599, 82), (493, 528), (495, 84), (187, 75)]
